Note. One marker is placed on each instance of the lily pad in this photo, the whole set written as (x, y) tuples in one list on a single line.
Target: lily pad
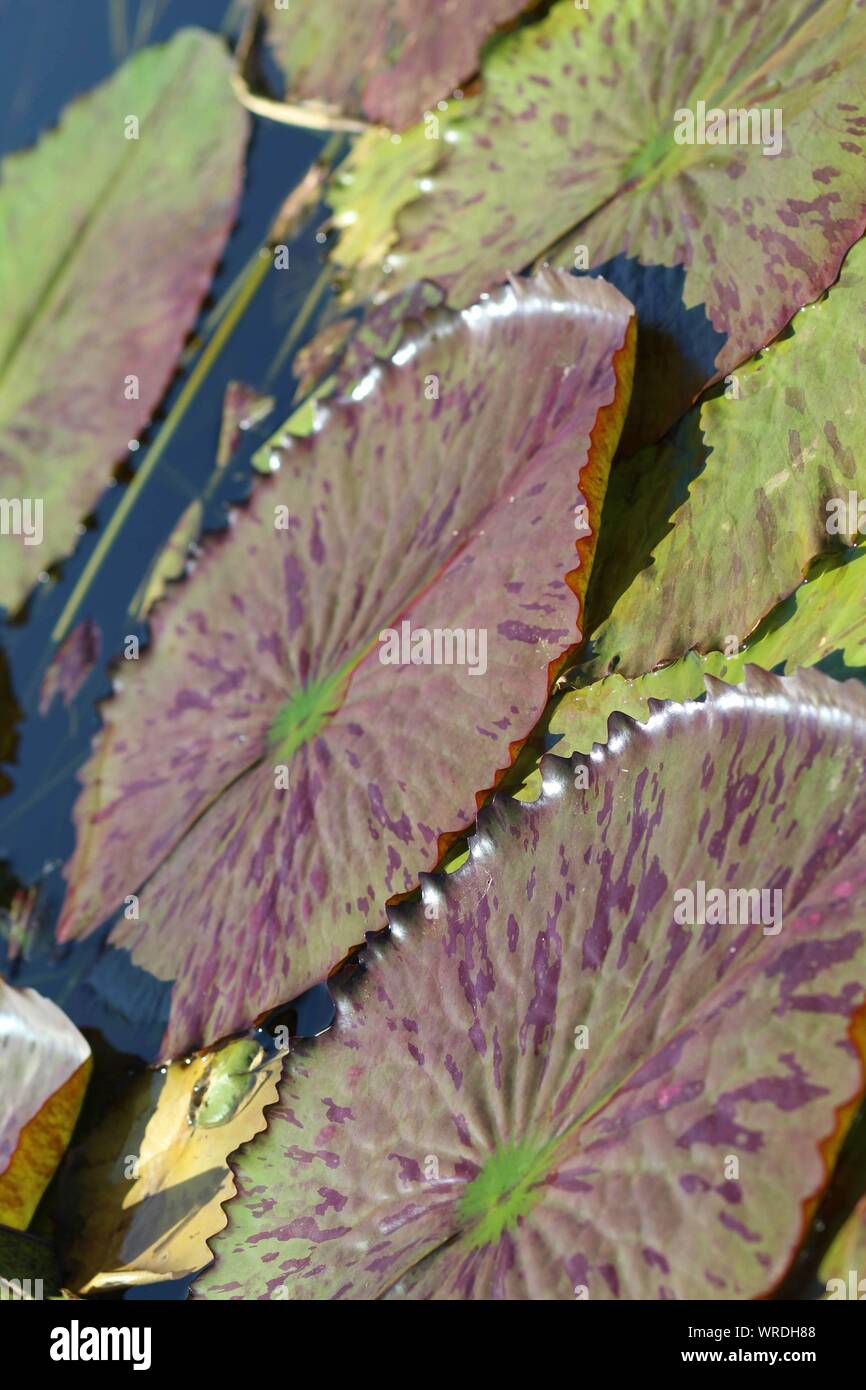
[(573, 144), (44, 1066), (706, 532), (368, 191), (386, 60), (101, 278), (150, 1181), (267, 775), (549, 1085)]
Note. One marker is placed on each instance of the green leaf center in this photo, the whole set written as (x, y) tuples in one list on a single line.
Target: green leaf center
[(504, 1191), (656, 154), (306, 712)]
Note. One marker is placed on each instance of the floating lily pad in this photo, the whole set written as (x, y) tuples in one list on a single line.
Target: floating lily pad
[(101, 278), (264, 772), (151, 1179), (573, 145), (547, 1084), (386, 60), (44, 1066), (706, 532)]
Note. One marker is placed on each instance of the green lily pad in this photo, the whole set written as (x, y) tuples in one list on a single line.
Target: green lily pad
[(101, 278), (823, 621)]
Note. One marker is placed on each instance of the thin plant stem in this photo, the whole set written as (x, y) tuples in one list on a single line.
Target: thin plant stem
[(221, 308), (299, 323)]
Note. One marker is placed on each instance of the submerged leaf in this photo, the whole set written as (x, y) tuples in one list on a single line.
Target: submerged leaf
[(704, 533), (101, 277), (573, 142), (553, 1082), (172, 560), (385, 60), (368, 191), (70, 665), (338, 358), (151, 1180), (44, 1066), (346, 350), (278, 766), (243, 407)]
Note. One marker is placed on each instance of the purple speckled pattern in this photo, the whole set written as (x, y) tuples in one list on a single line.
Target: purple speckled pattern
[(705, 1043), (70, 665), (573, 143), (253, 893)]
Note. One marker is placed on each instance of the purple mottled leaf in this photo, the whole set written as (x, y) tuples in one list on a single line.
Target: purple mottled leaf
[(555, 1081), (580, 150), (44, 1068), (264, 772), (101, 278), (70, 665), (385, 60)]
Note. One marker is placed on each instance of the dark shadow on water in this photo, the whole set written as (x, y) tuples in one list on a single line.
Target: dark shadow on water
[(676, 347)]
